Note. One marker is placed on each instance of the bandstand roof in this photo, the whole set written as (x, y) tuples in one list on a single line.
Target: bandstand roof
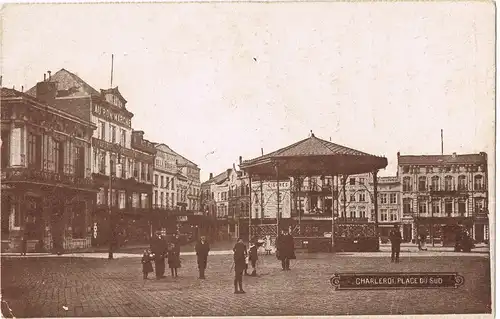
[(314, 156)]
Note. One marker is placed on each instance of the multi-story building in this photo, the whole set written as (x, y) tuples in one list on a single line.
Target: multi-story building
[(116, 152), (215, 201), (441, 191), (190, 174), (165, 171), (389, 206), (47, 189), (239, 203)]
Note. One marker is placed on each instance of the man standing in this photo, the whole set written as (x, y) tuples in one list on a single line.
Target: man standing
[(395, 237), (240, 254), (285, 249), (202, 248), (158, 248)]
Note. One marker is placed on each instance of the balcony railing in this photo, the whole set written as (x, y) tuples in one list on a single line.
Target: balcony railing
[(28, 175)]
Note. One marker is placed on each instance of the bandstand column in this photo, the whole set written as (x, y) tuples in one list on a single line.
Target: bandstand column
[(277, 200), (250, 212), (375, 199)]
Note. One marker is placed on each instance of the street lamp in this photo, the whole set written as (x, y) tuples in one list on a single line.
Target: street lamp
[(110, 202)]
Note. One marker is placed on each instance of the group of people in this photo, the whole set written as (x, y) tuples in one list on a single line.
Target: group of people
[(285, 251), (243, 258), (159, 252)]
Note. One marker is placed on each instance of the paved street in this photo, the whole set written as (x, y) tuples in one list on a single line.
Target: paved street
[(41, 287)]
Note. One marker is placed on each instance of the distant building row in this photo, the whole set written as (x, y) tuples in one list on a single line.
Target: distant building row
[(61, 140), (429, 195)]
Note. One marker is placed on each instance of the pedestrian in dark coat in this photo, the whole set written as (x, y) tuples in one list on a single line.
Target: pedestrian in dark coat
[(240, 255), (253, 257), (147, 267), (159, 249), (174, 259), (202, 248), (396, 239), (285, 249)]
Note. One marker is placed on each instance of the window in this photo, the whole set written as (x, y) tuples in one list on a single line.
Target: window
[(112, 129), (407, 184), (123, 138), (102, 162), (393, 198), (461, 208), (155, 198), (34, 151), (422, 184), (435, 183), (448, 207), (58, 156), (352, 197), (162, 181), (394, 215), (462, 183), (352, 181), (79, 161), (478, 183), (362, 197), (352, 214), (406, 169), (161, 199), (156, 180), (406, 206), (436, 207), (448, 183), (361, 181), (172, 181), (121, 199), (383, 198), (143, 171), (383, 215), (5, 150), (102, 130), (422, 207), (478, 205), (362, 213)]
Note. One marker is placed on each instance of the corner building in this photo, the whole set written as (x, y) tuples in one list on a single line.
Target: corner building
[(47, 189), (120, 158), (440, 192)]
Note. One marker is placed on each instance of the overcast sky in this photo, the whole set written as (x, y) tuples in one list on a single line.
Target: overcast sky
[(216, 81)]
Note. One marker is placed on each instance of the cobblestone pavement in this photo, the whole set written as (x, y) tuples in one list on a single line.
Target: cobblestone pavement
[(64, 286)]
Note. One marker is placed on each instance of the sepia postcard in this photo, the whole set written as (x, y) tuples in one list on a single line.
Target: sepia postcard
[(248, 158)]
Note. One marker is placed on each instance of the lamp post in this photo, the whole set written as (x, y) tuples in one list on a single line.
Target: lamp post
[(110, 203)]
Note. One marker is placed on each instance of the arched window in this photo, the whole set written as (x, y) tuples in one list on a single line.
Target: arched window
[(407, 184), (422, 183), (478, 183), (435, 183), (449, 183), (462, 182)]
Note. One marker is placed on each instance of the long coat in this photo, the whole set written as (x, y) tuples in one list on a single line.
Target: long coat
[(174, 260), (240, 254), (202, 254), (285, 247), (147, 267)]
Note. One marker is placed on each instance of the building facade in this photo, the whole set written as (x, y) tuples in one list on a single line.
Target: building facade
[(165, 171), (121, 161), (389, 206), (442, 191), (47, 189), (190, 174)]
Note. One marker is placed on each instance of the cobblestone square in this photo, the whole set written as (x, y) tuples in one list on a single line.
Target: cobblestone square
[(96, 287)]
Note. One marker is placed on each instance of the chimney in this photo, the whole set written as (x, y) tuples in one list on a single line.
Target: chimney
[(44, 77), (398, 154), (211, 176), (46, 91), (454, 155), (50, 75), (262, 151), (241, 160)]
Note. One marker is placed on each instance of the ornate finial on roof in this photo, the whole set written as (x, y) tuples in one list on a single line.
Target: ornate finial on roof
[(312, 134)]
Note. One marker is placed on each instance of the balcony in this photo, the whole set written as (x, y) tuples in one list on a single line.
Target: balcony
[(27, 175), (436, 190)]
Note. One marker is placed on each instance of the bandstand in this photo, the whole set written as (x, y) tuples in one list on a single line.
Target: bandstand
[(325, 166)]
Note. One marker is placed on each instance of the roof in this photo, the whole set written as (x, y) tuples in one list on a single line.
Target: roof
[(312, 146), (68, 84), (116, 92), (480, 158), (219, 178), (315, 156), (13, 94)]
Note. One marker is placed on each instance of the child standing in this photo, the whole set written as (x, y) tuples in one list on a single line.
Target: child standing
[(147, 267), (174, 260), (252, 258)]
